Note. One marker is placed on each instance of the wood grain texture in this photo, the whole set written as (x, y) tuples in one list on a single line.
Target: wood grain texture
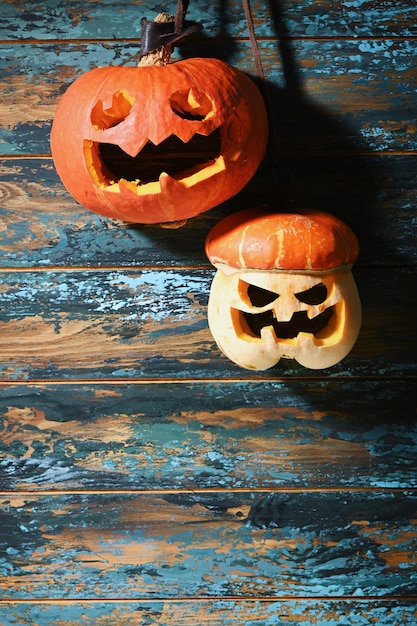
[(42, 226), (153, 324), (144, 479), (244, 435), (209, 544), (118, 20), (358, 612)]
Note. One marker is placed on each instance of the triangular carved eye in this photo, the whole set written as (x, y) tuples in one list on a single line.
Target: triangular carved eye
[(314, 295), (102, 118), (260, 297), (189, 107)]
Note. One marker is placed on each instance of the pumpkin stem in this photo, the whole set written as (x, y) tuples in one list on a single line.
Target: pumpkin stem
[(162, 55)]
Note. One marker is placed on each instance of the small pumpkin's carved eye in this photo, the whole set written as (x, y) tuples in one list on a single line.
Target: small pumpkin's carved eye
[(314, 295), (186, 106), (260, 297)]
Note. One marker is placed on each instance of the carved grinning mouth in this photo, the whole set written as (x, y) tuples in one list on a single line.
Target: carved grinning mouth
[(171, 156), (299, 323)]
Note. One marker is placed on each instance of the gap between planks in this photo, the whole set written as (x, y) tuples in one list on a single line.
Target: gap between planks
[(260, 38), (201, 491), (114, 268), (201, 267), (204, 599), (254, 380), (286, 153)]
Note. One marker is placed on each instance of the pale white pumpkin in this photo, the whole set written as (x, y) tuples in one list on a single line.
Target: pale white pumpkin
[(310, 312)]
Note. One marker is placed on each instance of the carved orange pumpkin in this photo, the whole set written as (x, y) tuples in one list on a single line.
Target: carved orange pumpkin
[(128, 142), (283, 288)]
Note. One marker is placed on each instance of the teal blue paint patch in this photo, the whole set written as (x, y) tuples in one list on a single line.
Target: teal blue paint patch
[(44, 613), (375, 46), (354, 4)]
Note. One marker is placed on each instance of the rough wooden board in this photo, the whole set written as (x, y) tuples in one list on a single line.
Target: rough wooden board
[(357, 612), (339, 92), (327, 18), (346, 434), (301, 18), (354, 95), (42, 226), (108, 20), (153, 324), (209, 544), (332, 95)]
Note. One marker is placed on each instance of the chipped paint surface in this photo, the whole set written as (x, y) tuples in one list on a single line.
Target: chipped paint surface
[(314, 18), (128, 436), (182, 546), (219, 613), (41, 226), (150, 323), (144, 478)]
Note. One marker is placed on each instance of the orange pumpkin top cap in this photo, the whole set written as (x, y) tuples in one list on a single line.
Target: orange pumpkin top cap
[(310, 241)]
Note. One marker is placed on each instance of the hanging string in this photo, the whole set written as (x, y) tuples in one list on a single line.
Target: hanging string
[(156, 35), (182, 6), (277, 173), (253, 41)]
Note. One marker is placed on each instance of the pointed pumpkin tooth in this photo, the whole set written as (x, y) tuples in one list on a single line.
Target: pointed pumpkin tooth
[(128, 185), (170, 185), (185, 133), (132, 146), (269, 337)]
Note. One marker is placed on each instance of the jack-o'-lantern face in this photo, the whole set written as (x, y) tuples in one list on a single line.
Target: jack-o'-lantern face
[(159, 143), (283, 288), (266, 316)]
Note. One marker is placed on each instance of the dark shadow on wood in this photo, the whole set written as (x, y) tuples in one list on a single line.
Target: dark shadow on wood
[(310, 153), (314, 160)]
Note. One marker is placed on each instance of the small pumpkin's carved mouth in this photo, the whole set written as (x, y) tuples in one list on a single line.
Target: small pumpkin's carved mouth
[(109, 164), (299, 323)]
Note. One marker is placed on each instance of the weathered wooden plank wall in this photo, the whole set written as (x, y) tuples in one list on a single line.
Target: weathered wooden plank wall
[(145, 479)]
